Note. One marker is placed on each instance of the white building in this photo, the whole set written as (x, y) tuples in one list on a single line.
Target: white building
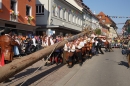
[(61, 16)]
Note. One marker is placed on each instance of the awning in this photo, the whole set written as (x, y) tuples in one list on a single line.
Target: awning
[(44, 27), (16, 25)]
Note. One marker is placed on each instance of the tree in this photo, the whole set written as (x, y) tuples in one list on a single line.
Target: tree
[(98, 31)]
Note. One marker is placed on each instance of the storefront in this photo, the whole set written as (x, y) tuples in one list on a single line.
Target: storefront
[(55, 30), (17, 28)]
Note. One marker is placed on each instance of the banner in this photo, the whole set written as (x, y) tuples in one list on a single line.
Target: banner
[(118, 16)]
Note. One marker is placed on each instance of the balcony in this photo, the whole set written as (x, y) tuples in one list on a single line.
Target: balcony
[(14, 16)]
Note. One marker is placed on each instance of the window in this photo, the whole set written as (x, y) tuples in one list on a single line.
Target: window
[(0, 4), (13, 10), (61, 13), (64, 14), (81, 22), (76, 19), (84, 16), (39, 9), (103, 20), (28, 10), (100, 16), (13, 5), (69, 18), (55, 11), (73, 18)]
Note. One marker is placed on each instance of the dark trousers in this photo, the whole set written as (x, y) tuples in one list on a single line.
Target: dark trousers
[(96, 47), (79, 55), (99, 48)]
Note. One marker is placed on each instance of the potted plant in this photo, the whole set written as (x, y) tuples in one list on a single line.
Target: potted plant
[(29, 19), (13, 14)]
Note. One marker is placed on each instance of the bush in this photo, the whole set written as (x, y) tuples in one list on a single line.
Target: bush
[(98, 31)]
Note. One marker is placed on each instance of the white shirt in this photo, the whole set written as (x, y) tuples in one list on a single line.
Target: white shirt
[(65, 48), (45, 43), (85, 41), (96, 43), (103, 40), (73, 48), (88, 39), (34, 41), (92, 40), (81, 44)]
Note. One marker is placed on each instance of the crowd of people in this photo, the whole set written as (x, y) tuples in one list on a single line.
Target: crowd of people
[(72, 52)]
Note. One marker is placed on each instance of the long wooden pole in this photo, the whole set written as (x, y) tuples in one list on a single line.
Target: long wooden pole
[(18, 65)]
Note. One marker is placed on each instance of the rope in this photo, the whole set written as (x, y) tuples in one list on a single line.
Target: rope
[(40, 65)]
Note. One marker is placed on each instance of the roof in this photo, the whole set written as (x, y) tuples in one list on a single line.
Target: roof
[(107, 19)]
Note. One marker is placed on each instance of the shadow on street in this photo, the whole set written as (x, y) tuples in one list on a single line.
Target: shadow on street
[(41, 75), (123, 64)]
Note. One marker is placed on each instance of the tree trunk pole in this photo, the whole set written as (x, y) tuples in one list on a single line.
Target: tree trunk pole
[(18, 65)]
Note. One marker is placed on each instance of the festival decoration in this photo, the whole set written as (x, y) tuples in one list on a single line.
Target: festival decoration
[(118, 16), (64, 8), (13, 13), (29, 19), (59, 7)]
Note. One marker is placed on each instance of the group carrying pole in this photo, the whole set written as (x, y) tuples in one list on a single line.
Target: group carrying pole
[(18, 65)]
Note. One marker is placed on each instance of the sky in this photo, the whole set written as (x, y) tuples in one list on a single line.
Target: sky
[(111, 8)]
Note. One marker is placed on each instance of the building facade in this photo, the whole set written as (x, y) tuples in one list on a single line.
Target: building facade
[(60, 16), (126, 28), (110, 23), (18, 14)]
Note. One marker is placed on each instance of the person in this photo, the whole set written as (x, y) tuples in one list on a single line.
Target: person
[(99, 45), (6, 44), (96, 45), (128, 51)]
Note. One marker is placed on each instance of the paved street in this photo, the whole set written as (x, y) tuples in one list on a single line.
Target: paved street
[(109, 69), (103, 70)]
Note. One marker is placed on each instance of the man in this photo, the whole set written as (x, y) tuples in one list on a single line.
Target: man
[(6, 44), (100, 45)]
